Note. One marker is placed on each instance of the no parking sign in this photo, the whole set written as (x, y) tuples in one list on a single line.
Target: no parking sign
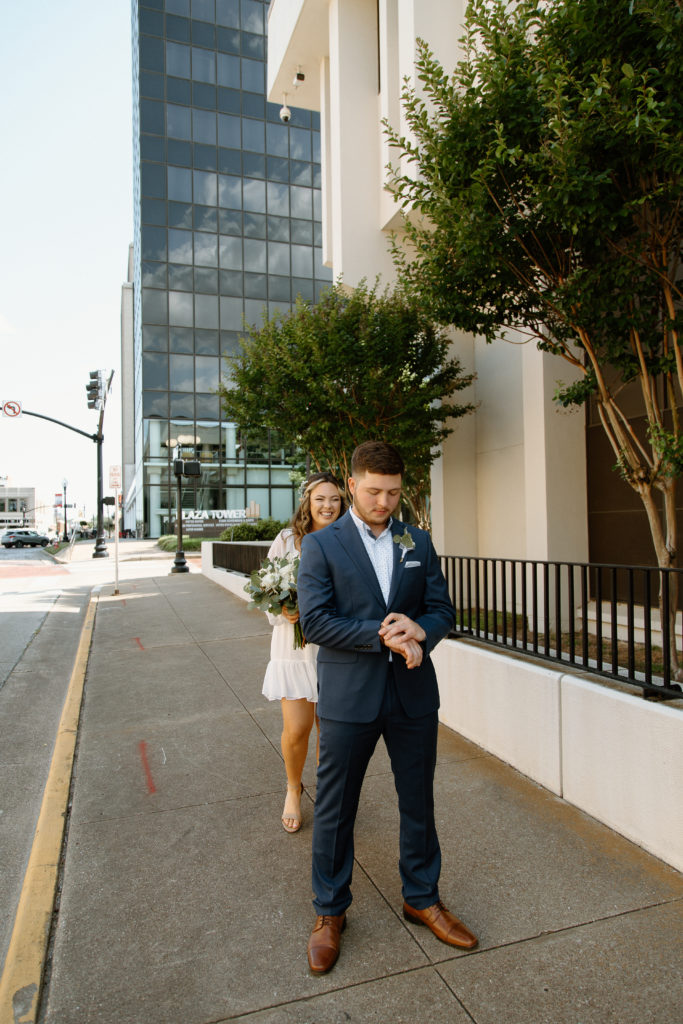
[(12, 409)]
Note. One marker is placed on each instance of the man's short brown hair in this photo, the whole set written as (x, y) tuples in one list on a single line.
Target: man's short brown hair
[(377, 457)]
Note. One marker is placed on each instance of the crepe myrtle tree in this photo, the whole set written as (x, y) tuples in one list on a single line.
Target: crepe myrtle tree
[(361, 364), (541, 184)]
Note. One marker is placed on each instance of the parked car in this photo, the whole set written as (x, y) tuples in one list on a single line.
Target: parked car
[(20, 538)]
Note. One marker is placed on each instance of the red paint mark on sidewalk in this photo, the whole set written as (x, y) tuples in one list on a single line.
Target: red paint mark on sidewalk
[(151, 788), (137, 641)]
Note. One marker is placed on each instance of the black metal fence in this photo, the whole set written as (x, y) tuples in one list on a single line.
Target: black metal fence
[(614, 620)]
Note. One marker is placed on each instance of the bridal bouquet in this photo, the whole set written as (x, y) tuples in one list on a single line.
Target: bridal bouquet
[(273, 587)]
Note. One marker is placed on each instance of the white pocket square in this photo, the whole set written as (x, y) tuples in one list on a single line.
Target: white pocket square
[(412, 565)]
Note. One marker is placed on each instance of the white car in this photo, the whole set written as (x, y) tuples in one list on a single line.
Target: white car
[(19, 538)]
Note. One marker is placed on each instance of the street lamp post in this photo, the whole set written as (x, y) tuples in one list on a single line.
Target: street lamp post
[(66, 532), (179, 563)]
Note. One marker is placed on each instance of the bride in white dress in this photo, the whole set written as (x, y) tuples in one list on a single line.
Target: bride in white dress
[(291, 676)]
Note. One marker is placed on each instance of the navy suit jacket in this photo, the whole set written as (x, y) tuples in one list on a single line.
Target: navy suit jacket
[(341, 607)]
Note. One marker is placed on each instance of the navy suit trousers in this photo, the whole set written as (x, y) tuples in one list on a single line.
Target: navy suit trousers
[(345, 751)]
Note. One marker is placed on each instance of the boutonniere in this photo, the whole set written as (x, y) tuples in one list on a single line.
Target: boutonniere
[(406, 541)]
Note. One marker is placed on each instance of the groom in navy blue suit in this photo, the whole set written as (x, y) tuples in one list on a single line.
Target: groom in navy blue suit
[(373, 597)]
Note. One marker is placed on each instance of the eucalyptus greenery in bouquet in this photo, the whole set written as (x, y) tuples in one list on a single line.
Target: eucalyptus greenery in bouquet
[(273, 587)]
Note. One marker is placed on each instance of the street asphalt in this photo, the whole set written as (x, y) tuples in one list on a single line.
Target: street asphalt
[(181, 900)]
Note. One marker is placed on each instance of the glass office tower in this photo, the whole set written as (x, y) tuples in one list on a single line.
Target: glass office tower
[(227, 224)]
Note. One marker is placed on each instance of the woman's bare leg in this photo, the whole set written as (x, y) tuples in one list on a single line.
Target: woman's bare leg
[(297, 721)]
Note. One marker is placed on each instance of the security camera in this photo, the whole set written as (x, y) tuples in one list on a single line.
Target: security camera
[(285, 114), (299, 78)]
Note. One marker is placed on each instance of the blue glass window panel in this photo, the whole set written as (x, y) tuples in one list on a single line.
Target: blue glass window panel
[(228, 71), (153, 180), (151, 54), (206, 371), (229, 100), (303, 287), (153, 243), (253, 312), (206, 281), (180, 278), (154, 339), (254, 255), (302, 261), (179, 152), (230, 282), (180, 184), (316, 147), (231, 313), (177, 28), (317, 176), (278, 258), (182, 407), (154, 405), (317, 233), (302, 232), (206, 218), (301, 202), (152, 85), (279, 289), (205, 10), (254, 195), (321, 288), (228, 13), (206, 314), (279, 307), (277, 140), (278, 168), (230, 161), (206, 343), (253, 105), (253, 135), (180, 309), (229, 191), (299, 144), (254, 225), (230, 252), (204, 127), (204, 95), (255, 286), (278, 199), (203, 65), (153, 211), (205, 188), (205, 157), (301, 173), (278, 229), (322, 272), (315, 120), (252, 16), (179, 215), (253, 45), (227, 40), (203, 34), (207, 407), (178, 121), (230, 222), (205, 250), (155, 371), (254, 165), (273, 112), (317, 206), (154, 309), (178, 7), (152, 148), (179, 246), (177, 60), (152, 22), (229, 131), (178, 90), (153, 275), (181, 339)]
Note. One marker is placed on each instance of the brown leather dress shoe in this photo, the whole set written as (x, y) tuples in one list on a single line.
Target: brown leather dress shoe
[(323, 945), (445, 925)]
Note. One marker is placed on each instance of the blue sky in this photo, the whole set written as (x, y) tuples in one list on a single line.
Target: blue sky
[(66, 186)]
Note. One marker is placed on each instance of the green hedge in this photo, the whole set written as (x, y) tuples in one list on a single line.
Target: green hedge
[(265, 529), (170, 543)]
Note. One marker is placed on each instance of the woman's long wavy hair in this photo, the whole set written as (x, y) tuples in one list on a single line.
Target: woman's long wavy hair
[(301, 522)]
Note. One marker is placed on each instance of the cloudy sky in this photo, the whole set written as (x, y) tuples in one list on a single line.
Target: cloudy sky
[(66, 186)]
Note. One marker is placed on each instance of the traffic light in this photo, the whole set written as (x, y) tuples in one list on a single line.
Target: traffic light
[(94, 389)]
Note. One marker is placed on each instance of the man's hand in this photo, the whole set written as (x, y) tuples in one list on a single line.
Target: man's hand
[(409, 649), (397, 626)]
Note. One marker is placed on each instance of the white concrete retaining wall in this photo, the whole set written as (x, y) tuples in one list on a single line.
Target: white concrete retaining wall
[(615, 756)]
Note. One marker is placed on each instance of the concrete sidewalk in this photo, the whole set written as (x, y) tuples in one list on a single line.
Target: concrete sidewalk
[(183, 901)]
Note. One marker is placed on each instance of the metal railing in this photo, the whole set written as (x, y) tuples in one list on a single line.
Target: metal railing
[(613, 620), (240, 557)]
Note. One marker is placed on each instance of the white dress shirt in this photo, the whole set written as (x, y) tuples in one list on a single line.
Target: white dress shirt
[(380, 552)]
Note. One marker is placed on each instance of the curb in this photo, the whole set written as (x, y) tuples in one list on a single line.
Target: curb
[(23, 969)]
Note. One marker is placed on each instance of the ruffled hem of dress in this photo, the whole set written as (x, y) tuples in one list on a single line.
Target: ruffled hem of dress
[(294, 680)]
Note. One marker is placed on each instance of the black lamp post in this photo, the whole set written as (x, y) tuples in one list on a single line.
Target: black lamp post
[(66, 532), (182, 468)]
